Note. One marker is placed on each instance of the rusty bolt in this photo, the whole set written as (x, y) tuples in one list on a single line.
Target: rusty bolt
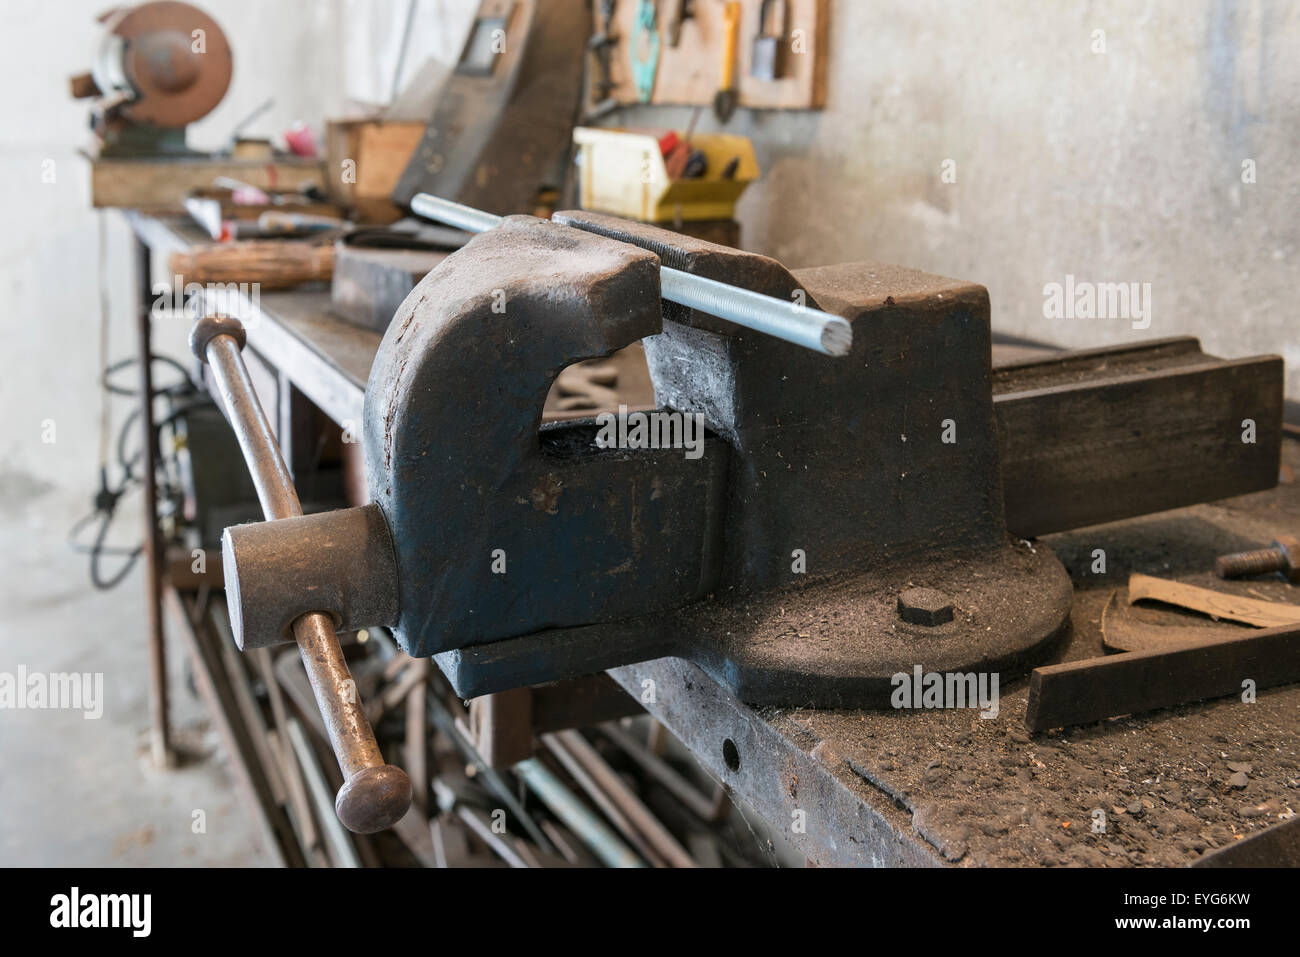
[(924, 606), (1283, 557)]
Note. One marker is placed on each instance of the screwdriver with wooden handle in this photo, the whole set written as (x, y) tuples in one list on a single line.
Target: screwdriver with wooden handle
[(724, 103)]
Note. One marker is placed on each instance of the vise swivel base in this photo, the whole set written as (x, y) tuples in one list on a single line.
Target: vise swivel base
[(829, 486)]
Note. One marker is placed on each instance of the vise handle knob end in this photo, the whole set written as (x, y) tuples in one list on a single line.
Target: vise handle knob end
[(209, 327), (373, 799)]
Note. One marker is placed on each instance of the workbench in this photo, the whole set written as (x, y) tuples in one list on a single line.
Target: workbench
[(942, 786), (907, 788)]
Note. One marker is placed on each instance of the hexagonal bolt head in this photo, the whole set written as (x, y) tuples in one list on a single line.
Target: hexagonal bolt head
[(1289, 546), (924, 606), (1283, 556)]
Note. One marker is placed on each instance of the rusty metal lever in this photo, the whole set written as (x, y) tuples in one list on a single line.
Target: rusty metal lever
[(374, 795)]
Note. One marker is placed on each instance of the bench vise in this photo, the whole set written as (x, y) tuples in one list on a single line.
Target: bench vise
[(845, 523)]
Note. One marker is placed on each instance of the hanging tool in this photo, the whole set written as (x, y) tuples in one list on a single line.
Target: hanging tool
[(724, 103), (678, 11), (768, 60), (601, 44), (643, 50)]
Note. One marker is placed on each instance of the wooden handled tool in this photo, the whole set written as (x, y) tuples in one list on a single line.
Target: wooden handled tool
[(724, 103), (273, 264)]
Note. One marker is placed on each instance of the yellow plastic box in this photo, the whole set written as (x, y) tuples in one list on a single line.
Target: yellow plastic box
[(623, 174)]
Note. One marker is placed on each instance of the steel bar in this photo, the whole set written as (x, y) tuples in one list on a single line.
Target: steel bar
[(274, 829), (160, 732), (801, 325), (444, 721), (571, 851), (340, 845), (454, 214), (483, 830), (660, 838), (374, 794), (417, 742), (294, 785), (249, 708), (705, 808), (604, 803), (603, 842)]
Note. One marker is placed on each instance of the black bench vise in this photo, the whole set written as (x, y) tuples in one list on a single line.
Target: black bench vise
[(845, 522)]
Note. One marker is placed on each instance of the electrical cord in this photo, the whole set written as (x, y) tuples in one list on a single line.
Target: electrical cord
[(186, 397), (107, 498), (186, 385), (106, 506)]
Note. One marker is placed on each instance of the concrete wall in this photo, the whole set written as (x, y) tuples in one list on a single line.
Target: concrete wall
[(1115, 166)]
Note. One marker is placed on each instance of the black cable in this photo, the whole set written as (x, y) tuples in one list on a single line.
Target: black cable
[(106, 506), (126, 432), (185, 385), (98, 551), (107, 498)]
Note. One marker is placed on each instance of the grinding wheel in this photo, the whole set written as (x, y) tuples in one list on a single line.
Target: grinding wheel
[(172, 58)]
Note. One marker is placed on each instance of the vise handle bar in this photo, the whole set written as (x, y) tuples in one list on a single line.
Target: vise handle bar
[(374, 795), (791, 321)]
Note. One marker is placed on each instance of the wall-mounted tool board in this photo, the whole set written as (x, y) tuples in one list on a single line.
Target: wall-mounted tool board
[(689, 73)]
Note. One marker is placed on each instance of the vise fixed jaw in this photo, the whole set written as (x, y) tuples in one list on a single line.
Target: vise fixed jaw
[(775, 560), (467, 481)]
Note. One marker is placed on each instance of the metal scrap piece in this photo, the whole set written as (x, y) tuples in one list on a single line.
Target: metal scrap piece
[(1078, 692), (1216, 604)]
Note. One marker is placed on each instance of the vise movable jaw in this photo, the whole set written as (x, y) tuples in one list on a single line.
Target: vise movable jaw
[(517, 553)]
